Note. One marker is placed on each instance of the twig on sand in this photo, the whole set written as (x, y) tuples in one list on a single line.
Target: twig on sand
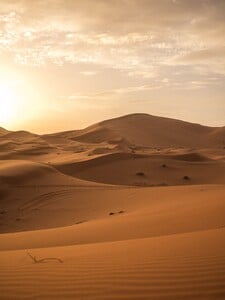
[(43, 260)]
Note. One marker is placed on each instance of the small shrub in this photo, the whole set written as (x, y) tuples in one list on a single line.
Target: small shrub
[(111, 213), (140, 174), (164, 166), (186, 177), (80, 222)]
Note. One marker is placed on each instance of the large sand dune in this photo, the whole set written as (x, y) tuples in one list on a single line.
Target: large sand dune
[(129, 208), (150, 131)]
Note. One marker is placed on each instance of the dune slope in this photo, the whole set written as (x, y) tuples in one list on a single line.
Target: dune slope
[(181, 257), (147, 170)]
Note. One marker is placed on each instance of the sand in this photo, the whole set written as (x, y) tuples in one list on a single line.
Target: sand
[(110, 212)]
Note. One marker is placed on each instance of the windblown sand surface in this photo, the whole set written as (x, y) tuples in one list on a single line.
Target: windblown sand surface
[(125, 209)]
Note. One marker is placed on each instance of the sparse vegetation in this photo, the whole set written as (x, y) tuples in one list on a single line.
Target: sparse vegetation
[(119, 212), (140, 174), (80, 222)]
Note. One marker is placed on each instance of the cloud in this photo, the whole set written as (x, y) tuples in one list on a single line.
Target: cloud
[(107, 32), (113, 93), (145, 42), (215, 53)]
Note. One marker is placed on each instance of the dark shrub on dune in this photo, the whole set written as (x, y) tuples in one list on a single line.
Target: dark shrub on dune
[(140, 174)]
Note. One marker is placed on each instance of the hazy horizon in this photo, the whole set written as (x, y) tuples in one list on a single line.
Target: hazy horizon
[(101, 120), (69, 64)]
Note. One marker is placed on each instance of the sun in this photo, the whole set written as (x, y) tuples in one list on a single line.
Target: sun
[(9, 104)]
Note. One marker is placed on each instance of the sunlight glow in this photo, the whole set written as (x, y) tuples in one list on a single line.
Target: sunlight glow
[(9, 104)]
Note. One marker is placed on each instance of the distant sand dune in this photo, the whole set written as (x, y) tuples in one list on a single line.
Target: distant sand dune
[(147, 130)]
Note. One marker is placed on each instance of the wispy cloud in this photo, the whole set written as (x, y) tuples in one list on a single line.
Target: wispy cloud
[(109, 94), (62, 32)]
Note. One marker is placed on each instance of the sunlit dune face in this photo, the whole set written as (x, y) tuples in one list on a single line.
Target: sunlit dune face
[(9, 104)]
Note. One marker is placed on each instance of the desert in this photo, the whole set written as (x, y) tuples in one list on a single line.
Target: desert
[(112, 150), (141, 219)]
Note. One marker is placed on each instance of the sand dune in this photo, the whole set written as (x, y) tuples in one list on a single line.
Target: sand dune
[(147, 170), (144, 213), (3, 131), (129, 208), (168, 267), (183, 261), (19, 171), (23, 145), (132, 133), (151, 131)]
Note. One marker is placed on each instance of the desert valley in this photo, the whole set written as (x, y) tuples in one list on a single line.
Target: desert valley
[(128, 208)]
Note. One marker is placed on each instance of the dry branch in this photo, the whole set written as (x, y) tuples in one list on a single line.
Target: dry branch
[(43, 260)]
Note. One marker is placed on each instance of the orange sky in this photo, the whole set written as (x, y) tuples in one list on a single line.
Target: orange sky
[(67, 64)]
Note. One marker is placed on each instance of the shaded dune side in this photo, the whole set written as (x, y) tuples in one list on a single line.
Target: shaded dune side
[(21, 135), (96, 135), (218, 134), (7, 145), (192, 157), (24, 172), (123, 169)]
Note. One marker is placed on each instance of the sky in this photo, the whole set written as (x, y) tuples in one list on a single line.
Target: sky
[(66, 64)]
